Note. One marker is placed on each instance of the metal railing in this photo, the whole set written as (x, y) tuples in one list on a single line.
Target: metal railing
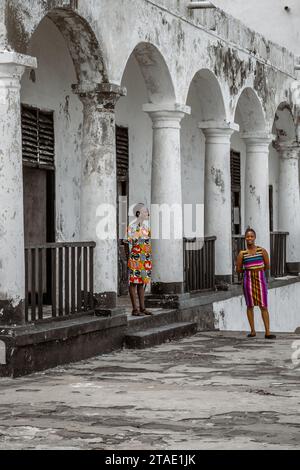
[(199, 263), (238, 244), (277, 254), (59, 280)]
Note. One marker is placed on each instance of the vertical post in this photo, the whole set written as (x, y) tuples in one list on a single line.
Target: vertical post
[(53, 281), (217, 198), (99, 185), (166, 198), (12, 266), (289, 202), (73, 281), (67, 281), (257, 185)]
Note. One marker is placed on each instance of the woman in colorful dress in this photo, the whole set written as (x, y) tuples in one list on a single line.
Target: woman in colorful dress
[(253, 263), (139, 258)]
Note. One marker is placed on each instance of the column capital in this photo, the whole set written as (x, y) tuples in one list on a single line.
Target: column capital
[(166, 115), (12, 66), (14, 58), (102, 95), (258, 138), (289, 150), (218, 127)]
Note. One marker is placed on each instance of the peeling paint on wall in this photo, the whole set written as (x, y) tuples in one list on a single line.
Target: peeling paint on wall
[(226, 63), (218, 178)]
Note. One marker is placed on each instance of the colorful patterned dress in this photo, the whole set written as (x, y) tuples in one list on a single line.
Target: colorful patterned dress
[(139, 260), (254, 281)]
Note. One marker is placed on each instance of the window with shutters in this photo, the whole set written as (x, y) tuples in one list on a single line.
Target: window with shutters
[(37, 137), (235, 170), (122, 151)]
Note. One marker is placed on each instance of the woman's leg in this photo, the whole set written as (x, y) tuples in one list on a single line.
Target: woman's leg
[(250, 315), (141, 295), (132, 294), (266, 319)]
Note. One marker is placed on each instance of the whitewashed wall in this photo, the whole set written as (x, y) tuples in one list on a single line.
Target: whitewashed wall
[(52, 91), (192, 152), (129, 113), (230, 315), (281, 26)]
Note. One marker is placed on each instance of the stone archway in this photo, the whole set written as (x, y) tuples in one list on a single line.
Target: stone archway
[(284, 167), (207, 148), (254, 140), (155, 153), (80, 38)]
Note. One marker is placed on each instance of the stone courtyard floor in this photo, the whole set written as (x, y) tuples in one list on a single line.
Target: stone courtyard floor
[(214, 390)]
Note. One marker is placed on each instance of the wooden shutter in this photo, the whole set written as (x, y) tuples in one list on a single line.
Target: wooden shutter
[(122, 151), (235, 170), (37, 137)]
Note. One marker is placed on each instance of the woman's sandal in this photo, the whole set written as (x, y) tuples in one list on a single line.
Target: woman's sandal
[(270, 336), (136, 313), (251, 336), (146, 312)]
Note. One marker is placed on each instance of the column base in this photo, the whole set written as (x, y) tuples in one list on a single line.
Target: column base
[(12, 314), (168, 301), (105, 300), (223, 281), (293, 268), (167, 287)]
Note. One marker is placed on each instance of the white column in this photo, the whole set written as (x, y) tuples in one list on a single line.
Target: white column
[(99, 186), (257, 186), (12, 269), (166, 197), (289, 202), (217, 199)]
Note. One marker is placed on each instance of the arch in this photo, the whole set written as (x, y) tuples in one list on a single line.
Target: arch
[(209, 93), (284, 127), (250, 111), (82, 44), (156, 74)]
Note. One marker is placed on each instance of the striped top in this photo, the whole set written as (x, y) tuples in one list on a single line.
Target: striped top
[(255, 261)]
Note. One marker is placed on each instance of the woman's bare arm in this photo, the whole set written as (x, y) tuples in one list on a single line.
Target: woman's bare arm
[(266, 259), (239, 263)]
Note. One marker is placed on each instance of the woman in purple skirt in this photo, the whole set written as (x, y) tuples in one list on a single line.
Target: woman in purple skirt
[(253, 262)]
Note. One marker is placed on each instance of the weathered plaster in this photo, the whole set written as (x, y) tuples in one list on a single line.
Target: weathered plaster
[(284, 311), (52, 91), (189, 40), (22, 19), (234, 74)]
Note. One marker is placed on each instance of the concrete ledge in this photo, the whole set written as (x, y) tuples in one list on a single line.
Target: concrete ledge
[(283, 281), (283, 295), (161, 334), (38, 347), (202, 315), (168, 301)]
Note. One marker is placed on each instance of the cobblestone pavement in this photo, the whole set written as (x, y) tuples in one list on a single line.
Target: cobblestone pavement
[(214, 390)]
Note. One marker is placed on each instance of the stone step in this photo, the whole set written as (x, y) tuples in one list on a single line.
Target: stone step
[(159, 317), (154, 336)]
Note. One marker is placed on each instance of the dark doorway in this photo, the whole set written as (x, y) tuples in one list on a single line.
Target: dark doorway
[(122, 155), (39, 185), (235, 170)]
